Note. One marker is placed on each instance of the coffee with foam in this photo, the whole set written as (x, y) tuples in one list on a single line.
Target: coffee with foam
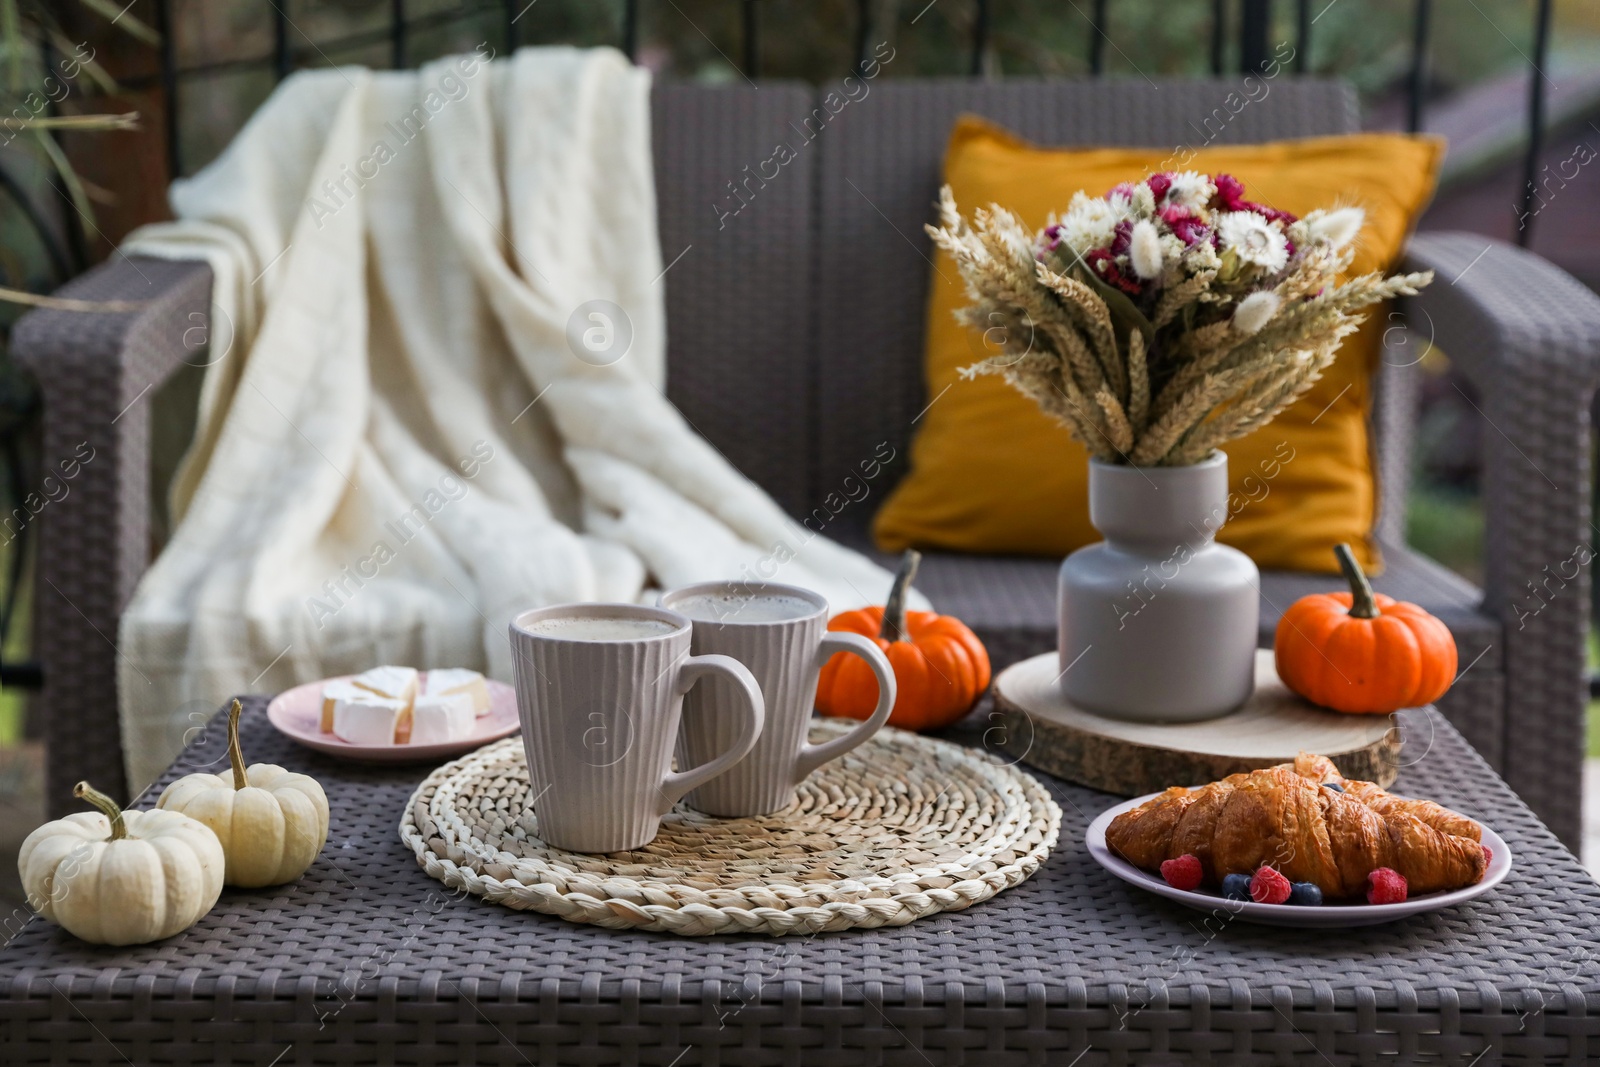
[(734, 608), (599, 628)]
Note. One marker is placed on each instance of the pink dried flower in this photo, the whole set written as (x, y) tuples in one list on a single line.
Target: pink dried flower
[(1230, 191), (1272, 214), (1103, 263), (1183, 223), (1124, 234), (1159, 184)]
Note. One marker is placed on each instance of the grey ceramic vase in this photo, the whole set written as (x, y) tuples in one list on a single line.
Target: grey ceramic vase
[(1158, 621)]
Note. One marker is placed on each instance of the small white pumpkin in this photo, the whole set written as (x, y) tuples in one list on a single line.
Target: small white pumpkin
[(271, 822), (121, 877)]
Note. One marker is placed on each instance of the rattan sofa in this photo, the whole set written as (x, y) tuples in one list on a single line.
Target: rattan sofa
[(795, 332)]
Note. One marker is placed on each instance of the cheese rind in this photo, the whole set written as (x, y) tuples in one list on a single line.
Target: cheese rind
[(368, 719), (448, 680), (332, 693), (440, 718), (397, 683)]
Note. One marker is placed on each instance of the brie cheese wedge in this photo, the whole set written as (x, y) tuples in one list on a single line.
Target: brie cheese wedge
[(448, 680), (368, 719), (441, 717), (396, 683), (332, 693)]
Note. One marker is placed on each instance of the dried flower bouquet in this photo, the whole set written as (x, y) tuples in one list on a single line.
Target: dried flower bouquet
[(1167, 317)]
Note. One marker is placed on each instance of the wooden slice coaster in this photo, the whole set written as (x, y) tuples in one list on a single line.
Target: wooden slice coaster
[(1133, 758)]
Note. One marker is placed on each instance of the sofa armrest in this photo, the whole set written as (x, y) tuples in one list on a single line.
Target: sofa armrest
[(96, 373), (1527, 335)]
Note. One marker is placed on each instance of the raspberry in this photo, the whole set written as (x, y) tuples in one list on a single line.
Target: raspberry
[(1488, 857), (1183, 872), (1385, 886), (1269, 887)]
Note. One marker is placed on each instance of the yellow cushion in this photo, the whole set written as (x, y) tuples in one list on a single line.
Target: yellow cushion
[(990, 473)]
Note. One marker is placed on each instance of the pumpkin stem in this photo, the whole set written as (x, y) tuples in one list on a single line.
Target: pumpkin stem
[(85, 791), (894, 609), (1362, 604), (235, 753)]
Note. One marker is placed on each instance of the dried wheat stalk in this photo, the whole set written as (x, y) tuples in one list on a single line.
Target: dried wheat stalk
[(1167, 318)]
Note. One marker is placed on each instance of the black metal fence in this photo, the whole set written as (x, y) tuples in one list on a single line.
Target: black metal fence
[(1254, 20)]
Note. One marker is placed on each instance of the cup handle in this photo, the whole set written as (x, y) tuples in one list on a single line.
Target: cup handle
[(813, 756), (677, 783)]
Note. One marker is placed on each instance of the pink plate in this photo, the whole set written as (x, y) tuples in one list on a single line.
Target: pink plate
[(297, 713)]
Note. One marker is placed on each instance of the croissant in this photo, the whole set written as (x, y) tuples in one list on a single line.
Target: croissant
[(1320, 769), (1283, 817)]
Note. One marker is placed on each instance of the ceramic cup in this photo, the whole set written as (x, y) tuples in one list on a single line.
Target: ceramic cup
[(780, 632), (599, 689)]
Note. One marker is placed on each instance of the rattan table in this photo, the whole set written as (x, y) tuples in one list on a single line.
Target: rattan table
[(366, 960)]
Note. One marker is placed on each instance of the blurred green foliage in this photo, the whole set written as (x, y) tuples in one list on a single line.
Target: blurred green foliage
[(1365, 41), (1446, 523), (46, 75)]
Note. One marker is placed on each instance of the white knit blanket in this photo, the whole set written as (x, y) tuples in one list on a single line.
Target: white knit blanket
[(399, 447)]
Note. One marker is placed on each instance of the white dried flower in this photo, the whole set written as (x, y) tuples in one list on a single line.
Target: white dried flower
[(1090, 223), (1190, 189), (1143, 201), (1254, 239), (1201, 257), (1337, 228), (1144, 249), (1255, 311)]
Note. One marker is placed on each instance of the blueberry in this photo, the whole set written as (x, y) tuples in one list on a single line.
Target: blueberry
[(1236, 887), (1335, 786), (1305, 894)]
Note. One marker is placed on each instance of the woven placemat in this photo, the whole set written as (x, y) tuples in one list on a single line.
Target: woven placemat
[(903, 827)]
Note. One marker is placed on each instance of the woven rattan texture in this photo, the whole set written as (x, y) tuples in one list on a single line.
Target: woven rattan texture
[(1528, 336), (1396, 393), (901, 828), (367, 960), (737, 231), (97, 373)]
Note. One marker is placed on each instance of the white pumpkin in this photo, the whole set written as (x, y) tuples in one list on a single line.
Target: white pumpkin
[(118, 877), (271, 822)]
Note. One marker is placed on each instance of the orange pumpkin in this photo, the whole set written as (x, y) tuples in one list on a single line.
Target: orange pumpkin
[(940, 666), (1361, 652)]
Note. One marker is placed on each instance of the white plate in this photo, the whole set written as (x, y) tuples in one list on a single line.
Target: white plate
[(1326, 916), (297, 713)]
